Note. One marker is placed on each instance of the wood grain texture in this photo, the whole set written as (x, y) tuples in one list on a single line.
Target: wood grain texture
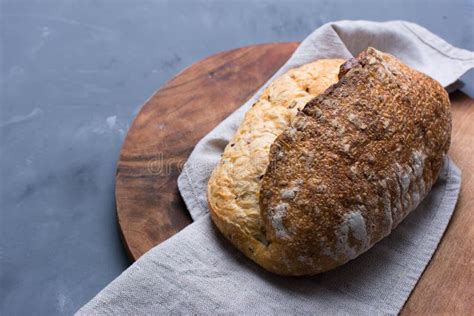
[(165, 131), (163, 134)]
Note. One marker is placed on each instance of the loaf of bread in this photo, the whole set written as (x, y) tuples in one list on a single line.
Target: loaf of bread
[(329, 161)]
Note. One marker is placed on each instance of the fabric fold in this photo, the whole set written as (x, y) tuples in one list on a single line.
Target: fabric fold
[(198, 271)]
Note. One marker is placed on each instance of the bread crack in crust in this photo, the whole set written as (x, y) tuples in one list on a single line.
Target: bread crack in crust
[(329, 160), (235, 183)]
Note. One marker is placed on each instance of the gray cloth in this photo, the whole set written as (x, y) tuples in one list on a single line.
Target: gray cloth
[(198, 271)]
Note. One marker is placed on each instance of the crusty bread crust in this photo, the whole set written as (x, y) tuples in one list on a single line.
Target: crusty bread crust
[(354, 162), (233, 190)]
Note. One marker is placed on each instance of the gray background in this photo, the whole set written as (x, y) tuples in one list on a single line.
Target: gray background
[(75, 73)]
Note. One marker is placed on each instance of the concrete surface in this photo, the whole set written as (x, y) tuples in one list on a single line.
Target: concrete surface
[(74, 74)]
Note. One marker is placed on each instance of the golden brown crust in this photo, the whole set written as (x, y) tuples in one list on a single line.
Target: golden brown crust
[(358, 158), (355, 161)]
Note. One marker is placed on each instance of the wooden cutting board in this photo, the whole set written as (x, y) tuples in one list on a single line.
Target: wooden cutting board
[(177, 116)]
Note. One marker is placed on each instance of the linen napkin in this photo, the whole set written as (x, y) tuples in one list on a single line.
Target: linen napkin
[(198, 272)]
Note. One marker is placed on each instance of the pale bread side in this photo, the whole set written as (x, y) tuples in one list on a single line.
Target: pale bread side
[(233, 190)]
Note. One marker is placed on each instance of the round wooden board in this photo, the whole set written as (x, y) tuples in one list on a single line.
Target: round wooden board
[(177, 116)]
